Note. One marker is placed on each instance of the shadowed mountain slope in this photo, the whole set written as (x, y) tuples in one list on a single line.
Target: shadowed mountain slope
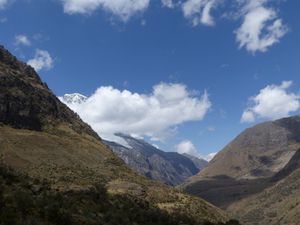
[(256, 176), (66, 161), (199, 163), (277, 204), (168, 167), (258, 152)]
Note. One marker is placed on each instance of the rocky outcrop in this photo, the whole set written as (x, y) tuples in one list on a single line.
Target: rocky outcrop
[(27, 103)]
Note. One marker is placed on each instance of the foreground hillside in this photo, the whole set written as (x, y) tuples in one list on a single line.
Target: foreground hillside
[(167, 167), (256, 177), (57, 166), (277, 204)]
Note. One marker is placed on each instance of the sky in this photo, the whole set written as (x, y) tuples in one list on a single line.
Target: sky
[(187, 75)]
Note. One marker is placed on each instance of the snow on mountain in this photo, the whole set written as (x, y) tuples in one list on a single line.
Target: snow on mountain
[(74, 98)]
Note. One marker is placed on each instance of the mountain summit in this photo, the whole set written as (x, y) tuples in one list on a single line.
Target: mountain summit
[(74, 98)]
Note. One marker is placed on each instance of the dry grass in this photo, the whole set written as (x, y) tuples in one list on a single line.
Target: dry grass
[(70, 161)]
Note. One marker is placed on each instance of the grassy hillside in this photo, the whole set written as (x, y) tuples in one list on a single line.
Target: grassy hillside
[(277, 204), (256, 177), (245, 166), (69, 162), (28, 201)]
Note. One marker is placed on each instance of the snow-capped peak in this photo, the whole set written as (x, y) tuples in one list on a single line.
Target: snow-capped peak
[(74, 98)]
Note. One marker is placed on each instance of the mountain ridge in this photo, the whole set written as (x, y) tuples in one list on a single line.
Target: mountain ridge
[(255, 177), (168, 167)]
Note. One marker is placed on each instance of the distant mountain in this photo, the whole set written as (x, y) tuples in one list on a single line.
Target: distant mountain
[(54, 169), (257, 175), (74, 98), (199, 163), (168, 167)]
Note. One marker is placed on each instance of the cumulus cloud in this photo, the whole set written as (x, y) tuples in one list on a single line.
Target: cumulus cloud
[(210, 156), (168, 3), (248, 116), (272, 102), (42, 60), (199, 11), (22, 40), (121, 8), (3, 20), (211, 129), (110, 110), (3, 3), (261, 27), (187, 147)]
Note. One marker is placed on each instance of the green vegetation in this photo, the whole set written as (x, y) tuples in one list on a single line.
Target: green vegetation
[(29, 201)]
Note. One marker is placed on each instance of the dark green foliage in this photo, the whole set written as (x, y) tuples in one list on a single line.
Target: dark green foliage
[(27, 201), (230, 222)]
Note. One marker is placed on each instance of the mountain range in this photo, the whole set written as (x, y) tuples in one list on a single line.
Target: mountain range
[(168, 167), (54, 169)]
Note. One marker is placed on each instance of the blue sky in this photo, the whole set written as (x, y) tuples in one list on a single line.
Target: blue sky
[(80, 47)]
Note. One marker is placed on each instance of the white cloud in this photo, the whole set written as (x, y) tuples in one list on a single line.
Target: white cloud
[(121, 8), (41, 60), (248, 116), (168, 3), (210, 156), (3, 3), (272, 102), (199, 11), (110, 110), (22, 40), (261, 27), (187, 147), (3, 20), (211, 129)]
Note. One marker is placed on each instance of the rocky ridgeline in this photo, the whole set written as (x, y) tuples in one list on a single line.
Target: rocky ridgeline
[(26, 102)]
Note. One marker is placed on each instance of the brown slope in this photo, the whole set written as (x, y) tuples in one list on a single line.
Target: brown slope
[(256, 176), (258, 152), (41, 137), (244, 165), (278, 204)]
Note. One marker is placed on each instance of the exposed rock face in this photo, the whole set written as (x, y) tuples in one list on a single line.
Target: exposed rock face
[(168, 167), (26, 102)]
